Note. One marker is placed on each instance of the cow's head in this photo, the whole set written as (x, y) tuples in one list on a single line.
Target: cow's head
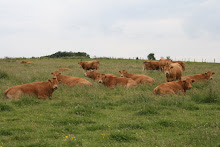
[(123, 73), (101, 78), (188, 83), (90, 73), (167, 69), (53, 83), (56, 74), (80, 63), (209, 74)]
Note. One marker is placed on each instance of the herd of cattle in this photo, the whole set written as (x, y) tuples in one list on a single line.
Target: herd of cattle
[(173, 71)]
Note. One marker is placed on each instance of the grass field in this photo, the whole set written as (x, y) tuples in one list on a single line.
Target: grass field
[(98, 116)]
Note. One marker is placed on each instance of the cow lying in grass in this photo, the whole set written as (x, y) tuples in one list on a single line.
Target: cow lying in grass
[(143, 79), (87, 65), (25, 62), (112, 82), (70, 81), (42, 90), (174, 87), (94, 75), (200, 77)]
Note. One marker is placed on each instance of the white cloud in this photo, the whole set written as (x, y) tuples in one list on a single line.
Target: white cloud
[(116, 28)]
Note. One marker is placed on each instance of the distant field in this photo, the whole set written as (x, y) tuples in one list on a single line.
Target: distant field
[(98, 116)]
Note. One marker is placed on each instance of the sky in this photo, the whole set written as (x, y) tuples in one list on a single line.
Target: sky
[(183, 30)]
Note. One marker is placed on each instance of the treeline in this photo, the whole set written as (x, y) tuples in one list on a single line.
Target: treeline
[(68, 54)]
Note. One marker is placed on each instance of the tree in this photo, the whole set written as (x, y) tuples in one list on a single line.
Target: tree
[(151, 56), (68, 54), (168, 57)]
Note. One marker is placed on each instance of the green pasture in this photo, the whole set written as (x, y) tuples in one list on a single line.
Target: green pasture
[(98, 116)]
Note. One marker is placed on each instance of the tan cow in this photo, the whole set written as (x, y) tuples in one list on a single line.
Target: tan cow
[(42, 90), (200, 77), (181, 63), (151, 65), (70, 81), (111, 82), (173, 72), (64, 69), (87, 65), (24, 62), (143, 79), (174, 87), (163, 62), (93, 75)]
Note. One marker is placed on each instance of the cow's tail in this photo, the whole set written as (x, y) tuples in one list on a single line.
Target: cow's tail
[(6, 92)]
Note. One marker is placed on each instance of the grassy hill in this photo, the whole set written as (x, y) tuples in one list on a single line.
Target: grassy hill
[(98, 116)]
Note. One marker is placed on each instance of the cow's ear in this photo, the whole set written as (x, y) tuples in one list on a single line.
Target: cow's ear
[(171, 67), (49, 80), (119, 71), (184, 81), (213, 73), (206, 73), (193, 81), (52, 73)]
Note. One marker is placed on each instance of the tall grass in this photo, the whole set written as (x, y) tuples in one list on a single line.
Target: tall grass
[(98, 116)]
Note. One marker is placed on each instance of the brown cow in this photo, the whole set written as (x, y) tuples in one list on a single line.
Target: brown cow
[(64, 69), (93, 75), (70, 81), (42, 90), (151, 65), (174, 87), (111, 82), (173, 72), (163, 62), (143, 79), (181, 63), (24, 62), (87, 65), (200, 77)]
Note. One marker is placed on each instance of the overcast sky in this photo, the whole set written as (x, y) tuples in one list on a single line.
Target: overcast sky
[(112, 28)]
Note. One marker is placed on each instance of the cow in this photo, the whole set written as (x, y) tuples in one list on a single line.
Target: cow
[(42, 90), (112, 82), (163, 62), (173, 72), (93, 75), (64, 69), (174, 87), (151, 65), (87, 65), (200, 77), (25, 62), (181, 63), (71, 81), (143, 79)]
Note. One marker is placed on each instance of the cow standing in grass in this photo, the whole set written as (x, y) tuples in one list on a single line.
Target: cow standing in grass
[(180, 63), (173, 72), (151, 65), (87, 65), (143, 79), (163, 62)]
